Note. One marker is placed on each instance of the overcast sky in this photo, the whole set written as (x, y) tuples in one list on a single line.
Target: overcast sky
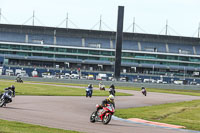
[(150, 15)]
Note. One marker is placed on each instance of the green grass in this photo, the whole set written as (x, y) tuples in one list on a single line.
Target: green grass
[(96, 93), (171, 91), (50, 90), (57, 83), (19, 127), (184, 113)]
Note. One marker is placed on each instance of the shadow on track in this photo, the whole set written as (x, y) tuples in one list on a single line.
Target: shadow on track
[(14, 108), (117, 125)]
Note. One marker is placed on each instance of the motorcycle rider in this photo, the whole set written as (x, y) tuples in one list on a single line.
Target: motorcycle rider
[(10, 91), (18, 79), (90, 88), (112, 89), (101, 86), (12, 88), (112, 86), (143, 89), (109, 100)]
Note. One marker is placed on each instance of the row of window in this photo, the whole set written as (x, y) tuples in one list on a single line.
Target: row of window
[(52, 49), (159, 63), (97, 52), (138, 56), (162, 57), (97, 58)]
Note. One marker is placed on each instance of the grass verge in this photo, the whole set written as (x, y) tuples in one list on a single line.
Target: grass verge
[(183, 113), (50, 90), (171, 91), (19, 127)]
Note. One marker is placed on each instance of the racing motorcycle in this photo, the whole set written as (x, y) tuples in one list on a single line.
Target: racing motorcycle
[(103, 115), (102, 87), (144, 92), (6, 98), (19, 80), (112, 91), (88, 92)]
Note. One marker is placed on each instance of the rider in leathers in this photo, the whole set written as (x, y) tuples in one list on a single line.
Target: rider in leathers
[(11, 92), (109, 100), (12, 88), (112, 90)]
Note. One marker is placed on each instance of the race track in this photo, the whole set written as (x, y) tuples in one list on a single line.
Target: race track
[(73, 112)]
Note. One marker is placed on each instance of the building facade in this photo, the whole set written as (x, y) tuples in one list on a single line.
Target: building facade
[(95, 50)]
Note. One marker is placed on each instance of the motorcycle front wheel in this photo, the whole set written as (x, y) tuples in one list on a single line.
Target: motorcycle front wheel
[(92, 117), (106, 119), (2, 101)]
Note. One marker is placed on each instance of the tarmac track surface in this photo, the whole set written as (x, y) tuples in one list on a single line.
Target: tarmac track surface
[(73, 112)]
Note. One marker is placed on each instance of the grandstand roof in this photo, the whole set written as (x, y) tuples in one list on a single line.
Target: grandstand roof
[(27, 29)]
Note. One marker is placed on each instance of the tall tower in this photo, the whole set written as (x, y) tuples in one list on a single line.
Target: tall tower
[(119, 36)]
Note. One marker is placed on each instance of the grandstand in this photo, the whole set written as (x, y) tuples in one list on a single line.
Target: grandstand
[(94, 50)]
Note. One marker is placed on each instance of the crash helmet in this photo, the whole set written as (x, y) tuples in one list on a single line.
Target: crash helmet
[(90, 86), (111, 98), (12, 87), (142, 87)]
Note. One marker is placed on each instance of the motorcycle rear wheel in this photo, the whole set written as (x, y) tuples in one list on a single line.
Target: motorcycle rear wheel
[(92, 117), (106, 119), (145, 93)]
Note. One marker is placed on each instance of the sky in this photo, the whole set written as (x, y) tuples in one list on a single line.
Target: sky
[(151, 16)]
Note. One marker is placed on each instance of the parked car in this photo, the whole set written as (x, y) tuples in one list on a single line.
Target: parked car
[(67, 75), (180, 82), (9, 72), (74, 76), (193, 83), (91, 77), (123, 79), (47, 75), (62, 77), (149, 81), (102, 77), (111, 78), (164, 82), (84, 77)]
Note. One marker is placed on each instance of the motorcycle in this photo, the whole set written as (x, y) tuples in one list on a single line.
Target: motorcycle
[(19, 80), (144, 92), (103, 115), (6, 98), (112, 91), (102, 87), (88, 92)]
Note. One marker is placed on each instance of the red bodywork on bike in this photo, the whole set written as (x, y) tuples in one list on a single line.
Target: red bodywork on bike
[(103, 114), (108, 109)]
